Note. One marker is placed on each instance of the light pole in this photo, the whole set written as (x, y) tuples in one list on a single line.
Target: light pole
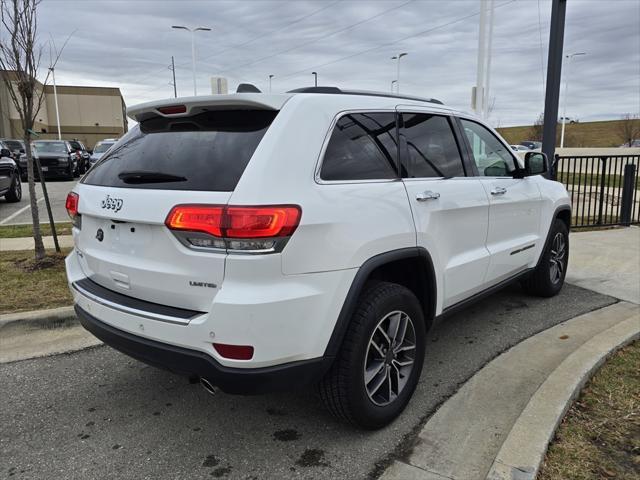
[(270, 77), (315, 78), (392, 83), (55, 99), (193, 49), (398, 57), (566, 93)]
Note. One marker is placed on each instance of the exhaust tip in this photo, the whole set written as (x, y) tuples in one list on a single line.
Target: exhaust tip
[(206, 384)]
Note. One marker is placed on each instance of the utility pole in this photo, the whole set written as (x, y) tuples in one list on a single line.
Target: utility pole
[(398, 57), (315, 78), (172, 67), (480, 94), (55, 99), (554, 73)]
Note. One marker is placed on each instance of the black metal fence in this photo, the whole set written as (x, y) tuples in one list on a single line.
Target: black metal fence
[(603, 189)]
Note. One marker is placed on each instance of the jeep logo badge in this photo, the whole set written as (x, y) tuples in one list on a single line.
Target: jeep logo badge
[(109, 203)]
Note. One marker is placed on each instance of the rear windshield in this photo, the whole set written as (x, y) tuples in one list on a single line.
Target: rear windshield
[(206, 152)]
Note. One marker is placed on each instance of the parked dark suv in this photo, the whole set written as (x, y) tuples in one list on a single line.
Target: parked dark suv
[(16, 147), (57, 159), (82, 156), (10, 185)]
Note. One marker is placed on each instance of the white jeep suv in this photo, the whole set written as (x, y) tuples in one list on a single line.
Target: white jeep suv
[(262, 242)]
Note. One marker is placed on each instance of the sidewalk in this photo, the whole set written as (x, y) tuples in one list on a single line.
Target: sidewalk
[(27, 243), (498, 425)]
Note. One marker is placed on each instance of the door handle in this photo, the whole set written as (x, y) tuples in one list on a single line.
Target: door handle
[(427, 195), (498, 191)]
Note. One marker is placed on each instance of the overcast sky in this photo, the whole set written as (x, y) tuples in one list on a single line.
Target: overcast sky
[(128, 44)]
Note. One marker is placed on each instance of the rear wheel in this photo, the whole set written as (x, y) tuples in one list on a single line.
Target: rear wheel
[(15, 193), (548, 277), (379, 364)]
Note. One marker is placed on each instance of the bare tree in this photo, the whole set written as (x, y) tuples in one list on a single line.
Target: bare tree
[(535, 133), (20, 60), (629, 128)]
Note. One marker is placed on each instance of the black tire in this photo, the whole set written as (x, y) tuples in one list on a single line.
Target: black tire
[(548, 277), (14, 195), (343, 389)]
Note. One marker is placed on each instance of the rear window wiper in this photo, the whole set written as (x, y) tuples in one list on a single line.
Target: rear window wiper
[(136, 177)]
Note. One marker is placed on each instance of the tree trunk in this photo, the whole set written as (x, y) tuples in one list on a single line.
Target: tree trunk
[(35, 217)]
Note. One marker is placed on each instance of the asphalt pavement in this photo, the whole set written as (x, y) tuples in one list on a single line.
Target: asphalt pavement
[(98, 414), (20, 213)]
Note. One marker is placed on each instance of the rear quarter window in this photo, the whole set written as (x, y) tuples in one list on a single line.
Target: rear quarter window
[(362, 147), (205, 152)]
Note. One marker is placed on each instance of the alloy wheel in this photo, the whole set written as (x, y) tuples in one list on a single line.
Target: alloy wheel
[(557, 259), (390, 357)]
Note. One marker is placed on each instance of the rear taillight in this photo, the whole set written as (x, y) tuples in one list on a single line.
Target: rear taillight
[(71, 204), (253, 229)]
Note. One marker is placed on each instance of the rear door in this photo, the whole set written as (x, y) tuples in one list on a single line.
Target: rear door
[(123, 243), (515, 203), (450, 209)]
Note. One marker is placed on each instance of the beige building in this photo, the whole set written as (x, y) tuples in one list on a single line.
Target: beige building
[(88, 114)]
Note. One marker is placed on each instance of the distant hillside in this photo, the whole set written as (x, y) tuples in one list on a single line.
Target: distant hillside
[(583, 134)]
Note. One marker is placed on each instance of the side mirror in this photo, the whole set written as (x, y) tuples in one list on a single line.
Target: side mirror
[(535, 163), (5, 152)]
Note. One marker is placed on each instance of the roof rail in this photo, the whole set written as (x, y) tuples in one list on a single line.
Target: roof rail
[(363, 92)]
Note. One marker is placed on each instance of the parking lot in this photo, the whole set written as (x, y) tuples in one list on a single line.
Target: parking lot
[(98, 414), (20, 213)]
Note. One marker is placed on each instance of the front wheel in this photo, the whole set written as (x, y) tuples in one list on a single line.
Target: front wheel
[(548, 277), (380, 362)]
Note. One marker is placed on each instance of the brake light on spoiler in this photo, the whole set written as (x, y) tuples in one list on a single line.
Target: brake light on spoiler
[(250, 229)]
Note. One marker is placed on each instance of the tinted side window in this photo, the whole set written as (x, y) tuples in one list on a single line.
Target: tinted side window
[(432, 147), (362, 147), (206, 152), (491, 157)]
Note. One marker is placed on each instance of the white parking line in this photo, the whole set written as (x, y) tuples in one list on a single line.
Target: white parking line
[(15, 214)]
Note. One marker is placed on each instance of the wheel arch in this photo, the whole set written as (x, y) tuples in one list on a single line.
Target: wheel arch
[(411, 267), (563, 213)]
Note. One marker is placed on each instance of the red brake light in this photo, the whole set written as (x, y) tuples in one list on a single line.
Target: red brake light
[(261, 222), (72, 204), (234, 352), (196, 218), (236, 222), (173, 109)]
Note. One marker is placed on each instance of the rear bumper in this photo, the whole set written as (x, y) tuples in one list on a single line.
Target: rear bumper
[(195, 363)]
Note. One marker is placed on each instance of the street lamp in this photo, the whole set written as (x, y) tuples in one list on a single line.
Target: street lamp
[(392, 83), (55, 99), (315, 78), (566, 93), (270, 77), (193, 49), (398, 57)]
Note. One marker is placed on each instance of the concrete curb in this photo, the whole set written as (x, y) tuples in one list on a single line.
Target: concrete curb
[(473, 434), (40, 319), (523, 452)]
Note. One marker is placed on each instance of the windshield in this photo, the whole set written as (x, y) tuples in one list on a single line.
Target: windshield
[(50, 147), (13, 145), (101, 147)]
